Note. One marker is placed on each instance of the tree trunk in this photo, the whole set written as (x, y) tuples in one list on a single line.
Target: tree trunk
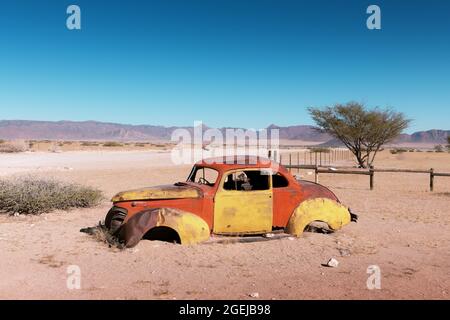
[(359, 159)]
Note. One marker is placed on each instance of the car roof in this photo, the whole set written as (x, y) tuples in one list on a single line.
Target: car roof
[(226, 163)]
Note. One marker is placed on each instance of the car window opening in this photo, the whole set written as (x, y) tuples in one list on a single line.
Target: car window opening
[(251, 180), (279, 181)]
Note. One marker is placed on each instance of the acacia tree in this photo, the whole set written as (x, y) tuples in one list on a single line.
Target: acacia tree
[(361, 130)]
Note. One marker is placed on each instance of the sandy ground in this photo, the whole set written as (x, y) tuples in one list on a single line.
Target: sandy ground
[(403, 228)]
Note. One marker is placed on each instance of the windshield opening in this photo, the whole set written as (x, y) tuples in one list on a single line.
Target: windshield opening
[(203, 175)]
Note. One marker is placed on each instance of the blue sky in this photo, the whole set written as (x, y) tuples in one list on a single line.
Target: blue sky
[(245, 63)]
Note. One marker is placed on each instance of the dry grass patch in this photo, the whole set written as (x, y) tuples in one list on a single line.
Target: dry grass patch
[(13, 146), (35, 196)]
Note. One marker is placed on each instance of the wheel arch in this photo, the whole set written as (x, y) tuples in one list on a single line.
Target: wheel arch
[(189, 227), (324, 210)]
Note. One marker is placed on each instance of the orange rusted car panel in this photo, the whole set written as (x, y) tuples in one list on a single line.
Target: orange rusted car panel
[(249, 195)]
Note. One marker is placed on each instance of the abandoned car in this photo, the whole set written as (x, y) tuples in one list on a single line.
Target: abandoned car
[(224, 197)]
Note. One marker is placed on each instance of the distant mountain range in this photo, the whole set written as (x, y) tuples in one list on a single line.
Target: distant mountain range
[(93, 130)]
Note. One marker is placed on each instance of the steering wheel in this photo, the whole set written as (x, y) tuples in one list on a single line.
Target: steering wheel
[(203, 181)]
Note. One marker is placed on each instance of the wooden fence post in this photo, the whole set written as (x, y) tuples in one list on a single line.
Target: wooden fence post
[(371, 171), (316, 174), (290, 161), (431, 179)]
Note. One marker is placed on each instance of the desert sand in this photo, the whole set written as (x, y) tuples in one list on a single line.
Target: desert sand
[(403, 228)]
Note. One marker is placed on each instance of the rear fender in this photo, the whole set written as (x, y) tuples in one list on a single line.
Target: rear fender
[(190, 228), (319, 209)]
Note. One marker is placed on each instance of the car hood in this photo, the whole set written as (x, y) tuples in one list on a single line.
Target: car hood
[(177, 191)]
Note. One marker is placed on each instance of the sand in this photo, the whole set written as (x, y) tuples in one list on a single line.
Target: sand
[(403, 229)]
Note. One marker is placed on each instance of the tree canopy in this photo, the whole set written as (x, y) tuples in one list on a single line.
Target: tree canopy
[(360, 129)]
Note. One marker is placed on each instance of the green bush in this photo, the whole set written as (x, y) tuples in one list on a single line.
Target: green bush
[(36, 196)]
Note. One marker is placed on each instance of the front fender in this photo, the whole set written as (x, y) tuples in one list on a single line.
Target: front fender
[(190, 227), (318, 209)]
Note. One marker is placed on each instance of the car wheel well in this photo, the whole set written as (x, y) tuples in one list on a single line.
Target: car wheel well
[(163, 233), (318, 226)]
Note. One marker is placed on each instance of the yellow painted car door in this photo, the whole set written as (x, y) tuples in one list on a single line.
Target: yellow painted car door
[(243, 206)]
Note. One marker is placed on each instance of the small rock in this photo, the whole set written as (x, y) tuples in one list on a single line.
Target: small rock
[(16, 214), (269, 235), (254, 295), (291, 238), (322, 274), (333, 263), (344, 252)]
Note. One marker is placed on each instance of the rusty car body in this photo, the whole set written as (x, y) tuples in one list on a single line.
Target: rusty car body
[(225, 196)]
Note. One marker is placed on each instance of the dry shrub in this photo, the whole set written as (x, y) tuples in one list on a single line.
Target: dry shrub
[(102, 234), (89, 144), (141, 144), (35, 196), (398, 150), (319, 150), (112, 144), (13, 146)]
